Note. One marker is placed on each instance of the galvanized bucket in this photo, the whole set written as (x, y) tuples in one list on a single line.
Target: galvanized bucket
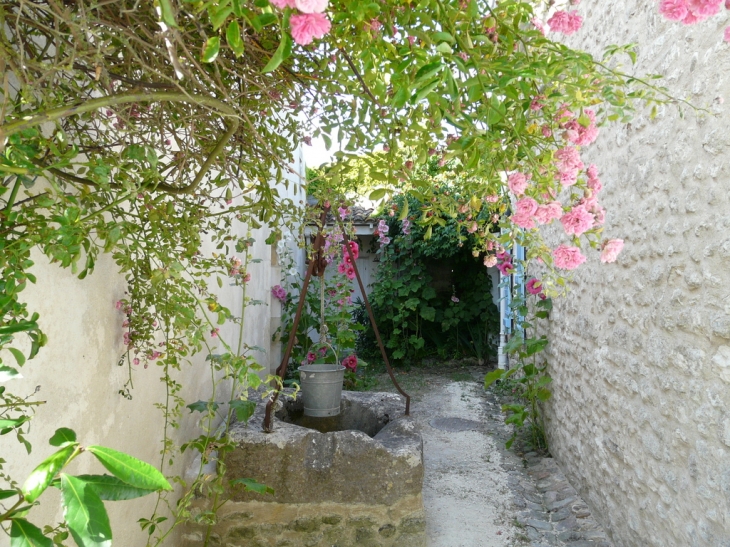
[(321, 389)]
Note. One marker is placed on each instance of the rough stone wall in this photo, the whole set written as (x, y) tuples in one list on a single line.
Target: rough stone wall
[(640, 418)]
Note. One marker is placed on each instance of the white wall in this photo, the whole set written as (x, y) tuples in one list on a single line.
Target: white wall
[(79, 378), (640, 418)]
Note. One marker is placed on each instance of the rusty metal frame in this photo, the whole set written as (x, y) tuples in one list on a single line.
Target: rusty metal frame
[(316, 267)]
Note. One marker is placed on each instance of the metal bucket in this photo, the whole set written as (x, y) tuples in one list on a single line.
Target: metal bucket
[(321, 389)]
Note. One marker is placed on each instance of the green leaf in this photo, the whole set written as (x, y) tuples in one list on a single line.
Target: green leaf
[(41, 476), (129, 469), (443, 37), (244, 409), (251, 485), (283, 51), (233, 37), (84, 513), (443, 47), (202, 406), (63, 437), (428, 313), (167, 13), (25, 534), (5, 494), (377, 194), (8, 373), (219, 17), (19, 357), (112, 489), (211, 49)]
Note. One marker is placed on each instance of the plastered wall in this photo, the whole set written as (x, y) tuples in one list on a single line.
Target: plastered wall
[(79, 379), (640, 349)]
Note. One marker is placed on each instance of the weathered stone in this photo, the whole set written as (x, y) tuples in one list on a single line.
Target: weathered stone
[(538, 524), (387, 530), (306, 466), (332, 519), (412, 525), (358, 522), (305, 525), (312, 539), (362, 534), (242, 532)]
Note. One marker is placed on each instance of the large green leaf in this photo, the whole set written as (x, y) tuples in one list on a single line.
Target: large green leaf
[(284, 49), (25, 534), (112, 489), (85, 513), (131, 470), (41, 476), (251, 485), (244, 409)]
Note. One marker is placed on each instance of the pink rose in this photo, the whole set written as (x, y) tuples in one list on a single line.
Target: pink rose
[(517, 183), (704, 8), (307, 26), (311, 6), (523, 220), (490, 261), (611, 249), (545, 214), (568, 258), (577, 221), (566, 22), (674, 10), (526, 206)]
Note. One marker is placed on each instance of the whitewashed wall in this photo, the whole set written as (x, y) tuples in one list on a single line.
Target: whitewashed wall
[(79, 378), (640, 420)]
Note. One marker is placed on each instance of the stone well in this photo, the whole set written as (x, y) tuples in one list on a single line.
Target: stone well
[(346, 480)]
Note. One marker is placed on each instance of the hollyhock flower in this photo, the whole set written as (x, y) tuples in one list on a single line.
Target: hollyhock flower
[(350, 362), (341, 267), (354, 247), (406, 226), (279, 293), (281, 4), (342, 212), (350, 272), (490, 261), (674, 10), (534, 286), (566, 22), (382, 227), (311, 356), (517, 183), (568, 258), (311, 6), (506, 268), (247, 278), (504, 255), (307, 26), (577, 221), (548, 212), (214, 333), (611, 249), (454, 299)]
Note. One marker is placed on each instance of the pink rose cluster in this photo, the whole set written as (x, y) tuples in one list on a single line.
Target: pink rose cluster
[(350, 362), (529, 211), (567, 22), (690, 12), (517, 183), (567, 257), (569, 164), (279, 292), (310, 22)]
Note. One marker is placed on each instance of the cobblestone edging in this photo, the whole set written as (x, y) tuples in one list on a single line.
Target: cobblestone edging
[(548, 510)]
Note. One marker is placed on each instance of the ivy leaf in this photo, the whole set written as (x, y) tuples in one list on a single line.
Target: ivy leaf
[(251, 485), (211, 49), (129, 469), (112, 489), (63, 437), (41, 476), (84, 513), (244, 409), (25, 534)]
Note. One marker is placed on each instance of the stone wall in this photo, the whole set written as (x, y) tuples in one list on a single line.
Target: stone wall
[(640, 418)]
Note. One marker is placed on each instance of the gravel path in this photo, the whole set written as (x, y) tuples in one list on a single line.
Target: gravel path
[(476, 493)]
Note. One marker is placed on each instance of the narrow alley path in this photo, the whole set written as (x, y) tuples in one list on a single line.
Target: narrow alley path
[(478, 494)]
